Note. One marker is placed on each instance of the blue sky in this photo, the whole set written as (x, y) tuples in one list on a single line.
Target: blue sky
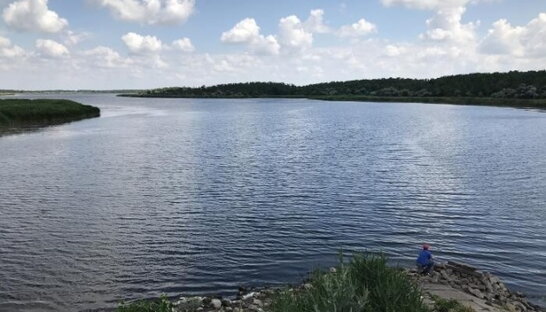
[(105, 44)]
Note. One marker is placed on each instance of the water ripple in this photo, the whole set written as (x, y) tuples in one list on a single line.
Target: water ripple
[(201, 196)]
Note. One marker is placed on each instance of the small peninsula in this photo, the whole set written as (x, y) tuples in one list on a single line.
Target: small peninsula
[(515, 88), (16, 113)]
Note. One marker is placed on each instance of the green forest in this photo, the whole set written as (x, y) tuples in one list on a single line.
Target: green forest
[(468, 87)]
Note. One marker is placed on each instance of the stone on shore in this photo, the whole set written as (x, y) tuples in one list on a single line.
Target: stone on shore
[(481, 291)]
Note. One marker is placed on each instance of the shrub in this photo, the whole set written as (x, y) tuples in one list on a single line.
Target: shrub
[(365, 284)]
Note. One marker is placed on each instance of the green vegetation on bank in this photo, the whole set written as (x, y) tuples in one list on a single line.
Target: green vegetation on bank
[(160, 305), (364, 284), (16, 112), (445, 305), (512, 89)]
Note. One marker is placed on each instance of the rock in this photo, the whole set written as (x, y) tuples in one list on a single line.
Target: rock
[(461, 266), (488, 286), (307, 286), (258, 302), (474, 292), (520, 306), (188, 304), (510, 307), (439, 266), (249, 295), (445, 276), (226, 302), (216, 303)]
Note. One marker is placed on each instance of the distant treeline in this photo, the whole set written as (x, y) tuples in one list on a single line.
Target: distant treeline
[(511, 85), (15, 112)]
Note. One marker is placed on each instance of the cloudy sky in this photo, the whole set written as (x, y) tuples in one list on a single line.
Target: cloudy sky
[(107, 44)]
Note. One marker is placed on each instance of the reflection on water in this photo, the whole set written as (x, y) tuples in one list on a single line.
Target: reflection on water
[(199, 196)]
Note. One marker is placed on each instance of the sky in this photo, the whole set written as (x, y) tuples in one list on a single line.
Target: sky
[(140, 44)]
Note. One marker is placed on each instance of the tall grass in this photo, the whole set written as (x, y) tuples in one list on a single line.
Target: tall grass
[(364, 284), (43, 111)]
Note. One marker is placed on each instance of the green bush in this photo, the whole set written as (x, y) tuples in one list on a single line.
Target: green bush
[(365, 284), (160, 305)]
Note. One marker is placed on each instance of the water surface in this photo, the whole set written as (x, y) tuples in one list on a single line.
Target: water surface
[(193, 196)]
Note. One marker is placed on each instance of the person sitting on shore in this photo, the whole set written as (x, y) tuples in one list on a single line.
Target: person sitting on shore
[(424, 261)]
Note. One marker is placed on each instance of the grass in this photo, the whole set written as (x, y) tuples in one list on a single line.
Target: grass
[(364, 284), (160, 305), (444, 305), (14, 112)]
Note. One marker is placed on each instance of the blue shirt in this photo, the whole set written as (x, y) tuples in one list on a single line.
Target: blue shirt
[(425, 257)]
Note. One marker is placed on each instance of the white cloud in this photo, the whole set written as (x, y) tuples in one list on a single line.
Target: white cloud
[(426, 4), (244, 31), (183, 44), (534, 38), (33, 15), (150, 11), (522, 41), (72, 38), (394, 50), (266, 45), (446, 25), (315, 22), (447, 46), (9, 50), (141, 44), (293, 35), (360, 28), (247, 32), (50, 48), (105, 57)]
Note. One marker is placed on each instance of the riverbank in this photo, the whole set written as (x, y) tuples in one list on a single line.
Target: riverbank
[(16, 113), (365, 284), (485, 101)]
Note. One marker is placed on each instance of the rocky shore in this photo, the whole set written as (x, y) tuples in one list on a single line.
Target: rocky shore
[(474, 289)]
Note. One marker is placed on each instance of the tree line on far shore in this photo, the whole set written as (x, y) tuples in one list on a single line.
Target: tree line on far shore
[(514, 84)]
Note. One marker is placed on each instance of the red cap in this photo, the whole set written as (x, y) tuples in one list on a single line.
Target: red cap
[(426, 246)]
